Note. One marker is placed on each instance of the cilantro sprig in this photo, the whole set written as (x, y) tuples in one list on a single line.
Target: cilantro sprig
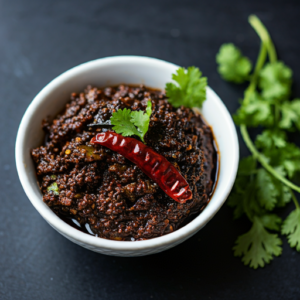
[(190, 90), (291, 227), (233, 66), (266, 178), (128, 122), (257, 246)]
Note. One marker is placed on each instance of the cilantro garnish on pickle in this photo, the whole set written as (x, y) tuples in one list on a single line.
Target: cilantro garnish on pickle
[(128, 122), (189, 90)]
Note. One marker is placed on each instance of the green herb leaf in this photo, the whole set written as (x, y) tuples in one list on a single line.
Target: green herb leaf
[(122, 121), (257, 246), (127, 122), (267, 192), (141, 120), (275, 80), (285, 195), (233, 66), (247, 165), (191, 89), (279, 152), (289, 158), (243, 197), (54, 188), (254, 112), (290, 114), (271, 221), (269, 139), (291, 228)]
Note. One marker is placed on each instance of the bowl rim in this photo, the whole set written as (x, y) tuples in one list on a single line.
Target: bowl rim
[(202, 219)]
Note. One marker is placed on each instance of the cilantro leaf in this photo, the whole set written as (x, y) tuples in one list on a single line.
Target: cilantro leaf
[(141, 120), (254, 112), (190, 90), (275, 80), (257, 246), (129, 122), (233, 66), (279, 152), (243, 196), (267, 192), (272, 192), (269, 139), (271, 221), (290, 114), (122, 121), (54, 188), (285, 195), (247, 165), (287, 157), (291, 228), (255, 190)]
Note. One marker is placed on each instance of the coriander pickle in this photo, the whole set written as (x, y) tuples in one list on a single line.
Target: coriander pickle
[(99, 191)]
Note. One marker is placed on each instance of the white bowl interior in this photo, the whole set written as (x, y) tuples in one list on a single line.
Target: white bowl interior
[(111, 71)]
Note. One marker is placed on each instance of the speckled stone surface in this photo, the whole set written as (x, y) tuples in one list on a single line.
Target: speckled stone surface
[(40, 40)]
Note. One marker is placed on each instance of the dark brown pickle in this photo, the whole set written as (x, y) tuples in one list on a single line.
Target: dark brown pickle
[(102, 193)]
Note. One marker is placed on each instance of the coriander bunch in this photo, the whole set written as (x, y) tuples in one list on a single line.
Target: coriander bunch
[(265, 179)]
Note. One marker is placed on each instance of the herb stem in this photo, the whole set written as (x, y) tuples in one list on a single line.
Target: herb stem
[(295, 200), (264, 35), (259, 64), (277, 114), (262, 56), (263, 162), (266, 46)]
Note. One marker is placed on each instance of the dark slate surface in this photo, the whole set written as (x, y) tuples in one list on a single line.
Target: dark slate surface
[(40, 40)]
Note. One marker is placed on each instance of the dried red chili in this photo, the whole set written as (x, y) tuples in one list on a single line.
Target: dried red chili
[(154, 165)]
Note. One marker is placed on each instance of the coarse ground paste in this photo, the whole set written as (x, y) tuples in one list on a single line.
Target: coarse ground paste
[(97, 190)]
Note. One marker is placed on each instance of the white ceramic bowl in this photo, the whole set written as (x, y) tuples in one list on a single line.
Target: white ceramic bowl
[(111, 71)]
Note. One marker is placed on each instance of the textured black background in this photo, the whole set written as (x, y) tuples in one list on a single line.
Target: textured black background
[(41, 39)]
